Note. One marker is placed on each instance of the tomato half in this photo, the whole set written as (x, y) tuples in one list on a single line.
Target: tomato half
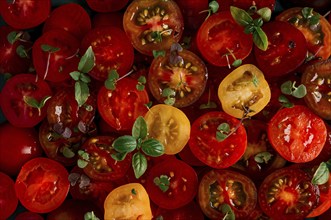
[(220, 39), (42, 185), (297, 134), (244, 92), (317, 79), (187, 77), (153, 24), (170, 126), (225, 187), (212, 152), (8, 199), (288, 193), (287, 49)]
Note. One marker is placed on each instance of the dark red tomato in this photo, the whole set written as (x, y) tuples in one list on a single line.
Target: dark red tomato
[(190, 211), (71, 17), (112, 49), (225, 187), (106, 5), (220, 39), (108, 19), (224, 5), (187, 77), (28, 216), (212, 152), (8, 199), (101, 166), (19, 97), (153, 24), (59, 58), (317, 79), (17, 146), (42, 185), (22, 14), (121, 107), (13, 60), (287, 49), (172, 184), (65, 116), (288, 193), (297, 134)]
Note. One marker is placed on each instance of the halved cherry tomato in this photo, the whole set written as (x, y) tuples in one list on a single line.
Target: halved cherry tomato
[(181, 183), (8, 199), (318, 36), (244, 92), (317, 79), (153, 24), (187, 77), (297, 134), (170, 126), (22, 14), (18, 97), (106, 5), (112, 49), (287, 49), (212, 152), (226, 187), (220, 39), (288, 193), (42, 185)]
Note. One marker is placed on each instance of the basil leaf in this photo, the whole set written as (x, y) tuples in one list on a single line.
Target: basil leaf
[(240, 16), (21, 52), (321, 175), (49, 48), (75, 75), (300, 91), (81, 92), (157, 53), (139, 129), (119, 156), (125, 143), (260, 39), (30, 101), (152, 147), (139, 164), (265, 13), (87, 61), (286, 88)]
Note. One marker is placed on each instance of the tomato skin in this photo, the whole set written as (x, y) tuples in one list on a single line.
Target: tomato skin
[(8, 199), (42, 185), (28, 216), (14, 152), (106, 5), (297, 134)]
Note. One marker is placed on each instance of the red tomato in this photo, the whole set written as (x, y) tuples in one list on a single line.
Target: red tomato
[(8, 199), (220, 36), (42, 185), (28, 216), (18, 97), (180, 179), (71, 17), (133, 104), (297, 134), (246, 4), (287, 49), (106, 5), (288, 193), (214, 153), (55, 66), (112, 50), (188, 157), (22, 14), (108, 19), (153, 24)]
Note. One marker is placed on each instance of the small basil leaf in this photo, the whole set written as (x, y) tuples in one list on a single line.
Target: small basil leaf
[(265, 13), (260, 39), (321, 175), (119, 156), (75, 75), (49, 48), (158, 53), (225, 127), (81, 163), (139, 129), (81, 92), (125, 143), (87, 61), (221, 136), (152, 147), (286, 88), (21, 52), (67, 152), (240, 16), (300, 91), (84, 78), (139, 164)]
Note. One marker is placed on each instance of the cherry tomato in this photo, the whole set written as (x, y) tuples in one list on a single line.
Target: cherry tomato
[(287, 193), (220, 39), (225, 187), (21, 100), (172, 184), (42, 185), (121, 107), (217, 153), (28, 216), (244, 92), (106, 5), (287, 49), (8, 199), (297, 134), (317, 79), (23, 14), (170, 126), (153, 24), (108, 19)]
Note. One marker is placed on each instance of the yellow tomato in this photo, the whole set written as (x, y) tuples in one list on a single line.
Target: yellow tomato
[(170, 126), (128, 202), (244, 92)]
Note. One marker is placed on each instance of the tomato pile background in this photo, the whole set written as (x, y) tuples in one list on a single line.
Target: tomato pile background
[(143, 62)]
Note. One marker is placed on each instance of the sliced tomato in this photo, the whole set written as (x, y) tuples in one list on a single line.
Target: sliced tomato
[(220, 39), (106, 5), (297, 134), (8, 199), (153, 25), (42, 185), (217, 153), (187, 77), (22, 14)]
